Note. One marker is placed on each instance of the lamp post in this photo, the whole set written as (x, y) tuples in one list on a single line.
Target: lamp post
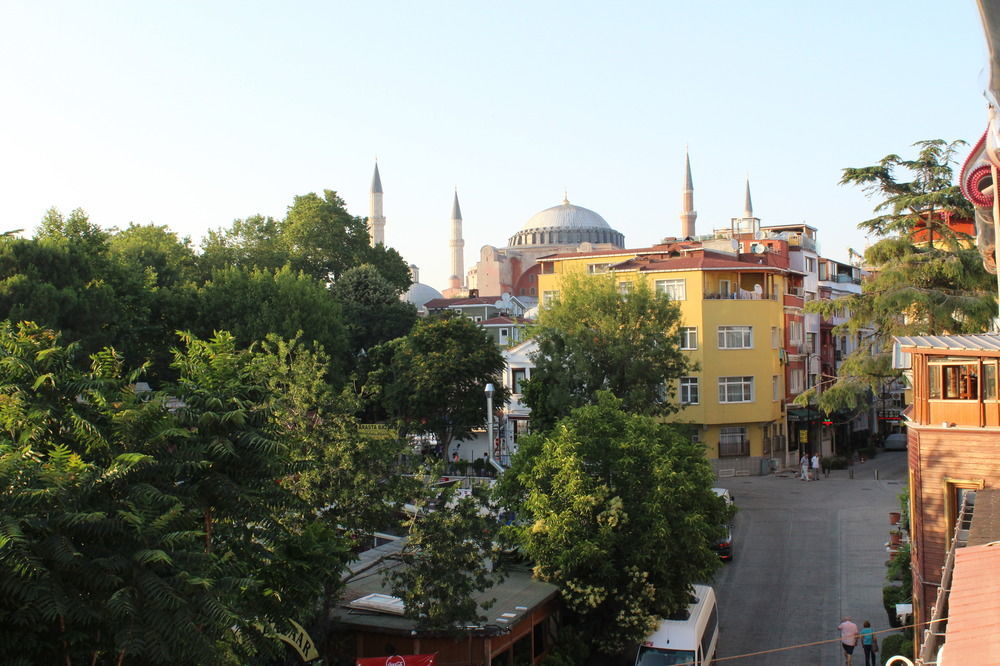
[(489, 422)]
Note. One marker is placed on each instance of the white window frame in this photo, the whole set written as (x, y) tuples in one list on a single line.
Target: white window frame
[(796, 381), (624, 288), (690, 393), (550, 297), (743, 383), (675, 290), (775, 337), (795, 333), (514, 372), (735, 337), (686, 334), (595, 269), (775, 388)]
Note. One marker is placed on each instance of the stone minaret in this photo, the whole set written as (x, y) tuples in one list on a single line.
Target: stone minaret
[(688, 214), (376, 221), (457, 245), (747, 204)]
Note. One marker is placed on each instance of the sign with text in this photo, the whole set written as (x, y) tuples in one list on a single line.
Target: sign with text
[(398, 660)]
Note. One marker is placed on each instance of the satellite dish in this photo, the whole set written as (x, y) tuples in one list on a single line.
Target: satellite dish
[(758, 248)]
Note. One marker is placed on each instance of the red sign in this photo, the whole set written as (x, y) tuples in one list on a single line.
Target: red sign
[(398, 660)]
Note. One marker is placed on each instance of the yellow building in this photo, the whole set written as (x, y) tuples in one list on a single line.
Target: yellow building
[(732, 297)]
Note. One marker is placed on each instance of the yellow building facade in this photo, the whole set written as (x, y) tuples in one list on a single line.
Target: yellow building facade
[(732, 331)]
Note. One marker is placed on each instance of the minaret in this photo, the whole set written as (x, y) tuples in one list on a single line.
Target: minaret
[(376, 221), (747, 204), (688, 214), (457, 244)]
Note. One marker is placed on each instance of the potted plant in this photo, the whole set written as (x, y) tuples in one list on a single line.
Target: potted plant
[(895, 538), (894, 517)]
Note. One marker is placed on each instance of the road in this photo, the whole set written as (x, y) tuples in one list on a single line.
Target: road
[(806, 553)]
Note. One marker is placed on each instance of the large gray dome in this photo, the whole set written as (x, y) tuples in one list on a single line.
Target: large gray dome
[(566, 224), (419, 293)]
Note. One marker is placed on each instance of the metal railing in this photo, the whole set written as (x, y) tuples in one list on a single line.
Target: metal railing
[(934, 634)]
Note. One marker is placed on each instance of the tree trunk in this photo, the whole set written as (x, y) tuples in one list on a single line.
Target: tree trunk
[(208, 530)]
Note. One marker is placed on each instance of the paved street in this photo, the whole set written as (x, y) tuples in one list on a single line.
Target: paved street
[(806, 553)]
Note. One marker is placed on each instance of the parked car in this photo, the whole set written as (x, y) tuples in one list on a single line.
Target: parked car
[(724, 545), (895, 442)]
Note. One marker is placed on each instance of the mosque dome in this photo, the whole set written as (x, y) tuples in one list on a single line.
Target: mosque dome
[(568, 225), (419, 293)]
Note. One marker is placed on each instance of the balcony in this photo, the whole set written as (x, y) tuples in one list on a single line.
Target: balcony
[(741, 295)]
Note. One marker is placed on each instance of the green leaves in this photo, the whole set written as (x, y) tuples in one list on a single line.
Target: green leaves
[(595, 338), (617, 510)]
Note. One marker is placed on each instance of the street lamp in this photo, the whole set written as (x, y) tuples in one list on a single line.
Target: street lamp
[(489, 422)]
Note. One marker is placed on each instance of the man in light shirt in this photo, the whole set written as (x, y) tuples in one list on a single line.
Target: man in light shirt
[(848, 638)]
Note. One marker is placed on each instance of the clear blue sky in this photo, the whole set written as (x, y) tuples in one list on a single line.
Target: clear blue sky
[(191, 114)]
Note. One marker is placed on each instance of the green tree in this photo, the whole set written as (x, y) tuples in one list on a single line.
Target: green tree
[(445, 562), (596, 338), (154, 248), (926, 283), (432, 380), (76, 229), (372, 311), (254, 242), (619, 514), (323, 239)]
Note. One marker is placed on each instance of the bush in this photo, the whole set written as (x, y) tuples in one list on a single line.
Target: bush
[(895, 644), (835, 462), (892, 595)]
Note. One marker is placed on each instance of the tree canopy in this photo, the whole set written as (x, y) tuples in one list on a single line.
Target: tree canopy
[(432, 380), (595, 338), (924, 277), (617, 510)]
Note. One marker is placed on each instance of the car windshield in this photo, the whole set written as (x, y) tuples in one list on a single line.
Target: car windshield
[(649, 656)]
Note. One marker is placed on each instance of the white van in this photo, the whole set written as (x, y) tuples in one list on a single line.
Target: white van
[(685, 641)]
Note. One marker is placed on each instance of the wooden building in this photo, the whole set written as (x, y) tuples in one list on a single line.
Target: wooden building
[(953, 427)]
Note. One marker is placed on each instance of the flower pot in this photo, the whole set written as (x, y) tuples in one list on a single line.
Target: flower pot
[(895, 538), (894, 517)]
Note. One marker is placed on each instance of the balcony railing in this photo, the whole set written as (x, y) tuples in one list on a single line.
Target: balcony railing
[(742, 296)]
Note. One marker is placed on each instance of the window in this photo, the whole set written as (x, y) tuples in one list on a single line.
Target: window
[(733, 441), (518, 376), (689, 391), (597, 268), (811, 343), (676, 290), (795, 333), (775, 385), (989, 381), (689, 337), (795, 381), (960, 382), (548, 268), (735, 337), (724, 288), (477, 319), (775, 337), (810, 264), (549, 297), (624, 288), (504, 333), (811, 380), (736, 389)]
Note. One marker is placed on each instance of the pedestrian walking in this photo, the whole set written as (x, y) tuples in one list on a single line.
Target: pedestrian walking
[(815, 466), (869, 642), (804, 466), (848, 638)]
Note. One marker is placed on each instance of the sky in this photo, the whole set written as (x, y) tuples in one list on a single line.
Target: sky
[(193, 114)]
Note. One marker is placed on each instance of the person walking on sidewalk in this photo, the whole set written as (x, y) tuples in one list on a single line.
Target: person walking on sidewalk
[(804, 466), (869, 643), (815, 467), (848, 638)]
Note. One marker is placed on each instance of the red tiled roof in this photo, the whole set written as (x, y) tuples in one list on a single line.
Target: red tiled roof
[(705, 261), (973, 606), (501, 320)]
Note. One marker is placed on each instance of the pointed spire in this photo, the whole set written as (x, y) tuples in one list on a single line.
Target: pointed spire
[(376, 182), (688, 183), (747, 204), (688, 213), (456, 211), (565, 197)]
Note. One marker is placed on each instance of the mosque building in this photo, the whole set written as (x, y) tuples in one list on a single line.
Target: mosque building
[(505, 270)]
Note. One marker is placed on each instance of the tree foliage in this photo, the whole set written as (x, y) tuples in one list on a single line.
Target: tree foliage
[(619, 514), (432, 380), (926, 283), (372, 310), (595, 338)]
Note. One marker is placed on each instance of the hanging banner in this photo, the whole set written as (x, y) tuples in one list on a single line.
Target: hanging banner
[(398, 660)]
